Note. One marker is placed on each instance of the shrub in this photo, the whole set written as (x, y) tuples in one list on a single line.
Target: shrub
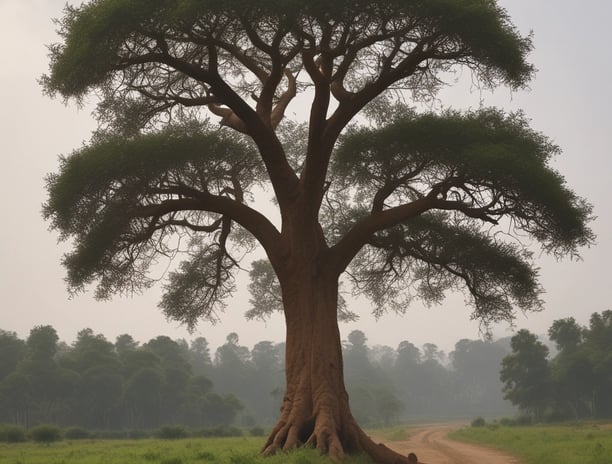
[(77, 433), (110, 434), (12, 433), (478, 422), (227, 431), (138, 434), (172, 432), (201, 433), (524, 420), (46, 434), (257, 431), (220, 431)]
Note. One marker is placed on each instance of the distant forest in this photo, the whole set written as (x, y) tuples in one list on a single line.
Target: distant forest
[(99, 384), (103, 385)]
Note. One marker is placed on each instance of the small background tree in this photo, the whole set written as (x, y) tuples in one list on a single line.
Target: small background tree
[(526, 375)]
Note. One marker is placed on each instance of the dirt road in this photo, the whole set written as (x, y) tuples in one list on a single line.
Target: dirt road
[(432, 446)]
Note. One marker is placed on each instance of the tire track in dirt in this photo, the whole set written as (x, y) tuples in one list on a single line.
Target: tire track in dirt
[(432, 445)]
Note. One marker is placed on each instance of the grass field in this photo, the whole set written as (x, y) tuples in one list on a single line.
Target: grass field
[(566, 444), (562, 444), (186, 451)]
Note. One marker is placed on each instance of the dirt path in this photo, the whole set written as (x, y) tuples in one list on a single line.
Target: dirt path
[(432, 446)]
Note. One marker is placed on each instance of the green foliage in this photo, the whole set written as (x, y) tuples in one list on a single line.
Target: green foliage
[(159, 388), (243, 459), (95, 34), (12, 433), (46, 434), (210, 450), (526, 374), (151, 456), (566, 333), (478, 422), (13, 351), (42, 343), (575, 384), (76, 433), (172, 432), (171, 461), (266, 297), (138, 434), (430, 255), (574, 444), (153, 172), (206, 456), (257, 431), (220, 431), (495, 153), (264, 289), (385, 385), (190, 292), (110, 226)]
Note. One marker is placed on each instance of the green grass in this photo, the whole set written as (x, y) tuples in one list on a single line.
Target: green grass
[(561, 444), (187, 451), (397, 433)]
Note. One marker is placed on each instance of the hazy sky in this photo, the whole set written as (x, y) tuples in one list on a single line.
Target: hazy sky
[(570, 100)]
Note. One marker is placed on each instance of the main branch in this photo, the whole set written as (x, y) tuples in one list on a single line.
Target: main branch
[(345, 250)]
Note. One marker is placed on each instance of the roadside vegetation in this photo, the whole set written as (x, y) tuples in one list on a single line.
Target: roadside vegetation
[(242, 450), (574, 383), (577, 443)]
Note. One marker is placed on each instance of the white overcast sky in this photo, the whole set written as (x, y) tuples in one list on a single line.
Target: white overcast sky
[(570, 100)]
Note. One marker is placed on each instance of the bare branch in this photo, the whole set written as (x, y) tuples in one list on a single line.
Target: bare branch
[(228, 118), (281, 105)]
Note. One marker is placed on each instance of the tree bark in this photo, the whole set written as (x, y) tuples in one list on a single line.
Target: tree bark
[(315, 410)]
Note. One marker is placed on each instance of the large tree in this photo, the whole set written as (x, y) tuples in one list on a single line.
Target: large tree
[(405, 205)]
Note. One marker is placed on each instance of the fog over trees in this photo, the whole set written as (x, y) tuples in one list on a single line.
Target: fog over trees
[(575, 383), (100, 384), (103, 385)]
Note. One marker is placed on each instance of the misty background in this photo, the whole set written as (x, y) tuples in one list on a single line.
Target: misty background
[(172, 388), (569, 101), (122, 385)]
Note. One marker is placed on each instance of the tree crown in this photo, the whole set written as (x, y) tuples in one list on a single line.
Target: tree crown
[(410, 204), (97, 36)]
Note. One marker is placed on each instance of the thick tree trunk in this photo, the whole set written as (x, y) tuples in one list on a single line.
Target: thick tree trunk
[(315, 410)]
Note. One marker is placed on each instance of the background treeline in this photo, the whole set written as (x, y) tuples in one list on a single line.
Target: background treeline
[(97, 384), (124, 385), (573, 383)]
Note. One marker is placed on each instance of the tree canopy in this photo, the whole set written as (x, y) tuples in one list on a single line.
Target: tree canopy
[(156, 168)]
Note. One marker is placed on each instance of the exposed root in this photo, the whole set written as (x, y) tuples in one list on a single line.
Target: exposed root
[(327, 442), (326, 438), (379, 452)]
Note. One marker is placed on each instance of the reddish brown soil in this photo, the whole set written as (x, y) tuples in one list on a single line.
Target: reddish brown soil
[(432, 446)]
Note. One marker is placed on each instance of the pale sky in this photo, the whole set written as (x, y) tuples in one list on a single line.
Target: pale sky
[(570, 100)]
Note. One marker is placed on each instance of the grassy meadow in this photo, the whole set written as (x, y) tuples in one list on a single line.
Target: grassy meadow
[(558, 444), (150, 451), (549, 444)]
